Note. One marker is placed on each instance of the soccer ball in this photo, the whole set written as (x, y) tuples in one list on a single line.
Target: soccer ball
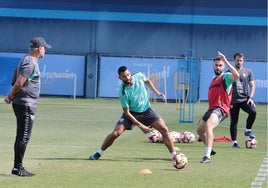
[(188, 137), (179, 137), (172, 134), (154, 136), (179, 161), (176, 136), (251, 143)]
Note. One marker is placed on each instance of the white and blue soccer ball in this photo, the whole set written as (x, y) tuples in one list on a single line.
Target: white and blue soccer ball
[(154, 136), (175, 136), (179, 161), (251, 143), (188, 137)]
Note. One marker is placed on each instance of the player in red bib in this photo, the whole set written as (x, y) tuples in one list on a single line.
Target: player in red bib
[(219, 99)]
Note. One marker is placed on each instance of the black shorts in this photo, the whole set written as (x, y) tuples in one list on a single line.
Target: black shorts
[(147, 118), (218, 111)]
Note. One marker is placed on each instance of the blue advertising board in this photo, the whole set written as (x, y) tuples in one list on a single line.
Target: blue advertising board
[(64, 74), (164, 68), (7, 67), (60, 74), (109, 82)]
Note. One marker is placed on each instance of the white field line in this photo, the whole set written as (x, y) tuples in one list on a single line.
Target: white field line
[(261, 175)]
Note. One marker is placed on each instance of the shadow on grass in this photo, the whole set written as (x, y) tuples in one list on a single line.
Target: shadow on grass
[(104, 159), (136, 159), (117, 160), (6, 175), (171, 170), (61, 159)]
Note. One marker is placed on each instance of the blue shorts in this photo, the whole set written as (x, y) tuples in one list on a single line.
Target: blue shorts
[(218, 111), (147, 118)]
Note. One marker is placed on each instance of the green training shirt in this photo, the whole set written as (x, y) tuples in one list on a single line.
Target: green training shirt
[(135, 96)]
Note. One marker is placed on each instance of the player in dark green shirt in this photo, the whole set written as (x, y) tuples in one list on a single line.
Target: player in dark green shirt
[(137, 111)]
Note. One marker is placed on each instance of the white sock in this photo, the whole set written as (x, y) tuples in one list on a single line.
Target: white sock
[(247, 130), (173, 153), (208, 151), (234, 141), (100, 151)]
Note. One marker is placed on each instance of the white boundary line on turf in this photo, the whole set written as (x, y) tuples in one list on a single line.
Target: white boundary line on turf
[(261, 175)]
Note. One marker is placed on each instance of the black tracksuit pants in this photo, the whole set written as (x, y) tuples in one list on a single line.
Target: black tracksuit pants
[(25, 117), (234, 116)]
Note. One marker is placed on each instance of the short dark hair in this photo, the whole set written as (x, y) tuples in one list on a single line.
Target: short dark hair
[(121, 69), (217, 58), (239, 54)]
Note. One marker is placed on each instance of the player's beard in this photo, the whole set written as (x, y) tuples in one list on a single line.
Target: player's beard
[(128, 81), (238, 66), (218, 72)]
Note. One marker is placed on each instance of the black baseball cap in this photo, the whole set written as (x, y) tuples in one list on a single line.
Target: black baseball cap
[(39, 41)]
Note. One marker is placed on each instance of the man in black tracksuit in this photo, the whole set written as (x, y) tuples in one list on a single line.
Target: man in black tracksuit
[(242, 98)]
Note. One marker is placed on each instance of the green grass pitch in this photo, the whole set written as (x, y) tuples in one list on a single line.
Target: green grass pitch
[(67, 131)]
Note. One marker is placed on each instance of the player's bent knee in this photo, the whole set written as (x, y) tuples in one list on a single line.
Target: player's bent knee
[(116, 134), (164, 131)]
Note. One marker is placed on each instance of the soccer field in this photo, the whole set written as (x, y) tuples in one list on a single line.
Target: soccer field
[(67, 131)]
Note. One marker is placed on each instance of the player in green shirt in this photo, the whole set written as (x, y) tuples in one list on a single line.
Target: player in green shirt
[(137, 111)]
